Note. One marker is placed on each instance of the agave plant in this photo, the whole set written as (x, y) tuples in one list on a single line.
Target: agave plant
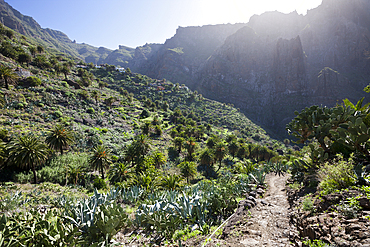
[(258, 176), (279, 168)]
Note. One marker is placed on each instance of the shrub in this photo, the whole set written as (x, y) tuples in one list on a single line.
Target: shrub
[(58, 114), (336, 176), (100, 184), (65, 84), (90, 110), (144, 114), (23, 178), (307, 204), (4, 134), (34, 81)]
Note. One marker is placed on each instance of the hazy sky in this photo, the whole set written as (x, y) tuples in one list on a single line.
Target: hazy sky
[(110, 23)]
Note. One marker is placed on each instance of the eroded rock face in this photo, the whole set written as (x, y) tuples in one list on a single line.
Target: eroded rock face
[(329, 224), (273, 65), (280, 63)]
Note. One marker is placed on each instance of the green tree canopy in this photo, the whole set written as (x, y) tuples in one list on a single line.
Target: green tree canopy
[(59, 138), (27, 152), (100, 159)]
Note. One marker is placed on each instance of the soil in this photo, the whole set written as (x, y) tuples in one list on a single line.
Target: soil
[(267, 224)]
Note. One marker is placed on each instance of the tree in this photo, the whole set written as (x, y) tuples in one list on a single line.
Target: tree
[(40, 49), (206, 157), (178, 142), (58, 68), (8, 76), (27, 152), (135, 152), (145, 128), (188, 169), (102, 84), (243, 151), (100, 159), (32, 50), (190, 146), (59, 138), (96, 95), (233, 148), (220, 152), (24, 58), (3, 153), (158, 159), (119, 172), (109, 101), (65, 70)]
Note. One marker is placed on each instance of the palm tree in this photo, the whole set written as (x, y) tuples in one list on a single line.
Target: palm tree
[(187, 169), (109, 101), (59, 138), (8, 76), (178, 142), (65, 70), (58, 68), (171, 182), (119, 172), (137, 151), (233, 148), (100, 159), (27, 152), (220, 152), (206, 157), (32, 50), (190, 146), (158, 159), (96, 95), (3, 153)]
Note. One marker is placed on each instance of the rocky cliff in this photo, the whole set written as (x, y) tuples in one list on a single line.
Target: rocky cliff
[(181, 57), (280, 63)]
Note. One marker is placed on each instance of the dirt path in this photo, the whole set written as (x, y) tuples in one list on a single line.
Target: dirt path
[(267, 224)]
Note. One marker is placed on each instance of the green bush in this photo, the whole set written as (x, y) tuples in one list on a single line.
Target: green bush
[(64, 84), (315, 243), (307, 204), (23, 177), (52, 175), (100, 184), (34, 81), (4, 134), (58, 114), (90, 110), (336, 175), (144, 114)]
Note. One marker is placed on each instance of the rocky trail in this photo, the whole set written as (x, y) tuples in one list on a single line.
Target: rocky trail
[(265, 224)]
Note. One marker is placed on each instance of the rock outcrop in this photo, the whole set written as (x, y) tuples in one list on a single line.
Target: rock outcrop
[(284, 62)]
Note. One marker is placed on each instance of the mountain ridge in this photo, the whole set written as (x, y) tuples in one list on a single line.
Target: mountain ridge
[(269, 67)]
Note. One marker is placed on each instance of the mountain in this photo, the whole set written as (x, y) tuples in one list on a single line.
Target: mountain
[(59, 41), (269, 67), (180, 57), (279, 62)]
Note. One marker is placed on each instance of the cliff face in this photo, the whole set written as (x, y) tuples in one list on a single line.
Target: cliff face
[(180, 57), (280, 63)]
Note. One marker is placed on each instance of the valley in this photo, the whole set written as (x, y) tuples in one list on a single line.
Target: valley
[(249, 134)]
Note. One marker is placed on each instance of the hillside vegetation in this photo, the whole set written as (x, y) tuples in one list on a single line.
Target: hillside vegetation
[(98, 155), (71, 129)]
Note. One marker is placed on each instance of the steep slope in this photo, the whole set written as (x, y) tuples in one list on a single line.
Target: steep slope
[(56, 40), (281, 63), (180, 57)]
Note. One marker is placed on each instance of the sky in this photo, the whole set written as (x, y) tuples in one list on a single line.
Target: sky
[(133, 23)]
